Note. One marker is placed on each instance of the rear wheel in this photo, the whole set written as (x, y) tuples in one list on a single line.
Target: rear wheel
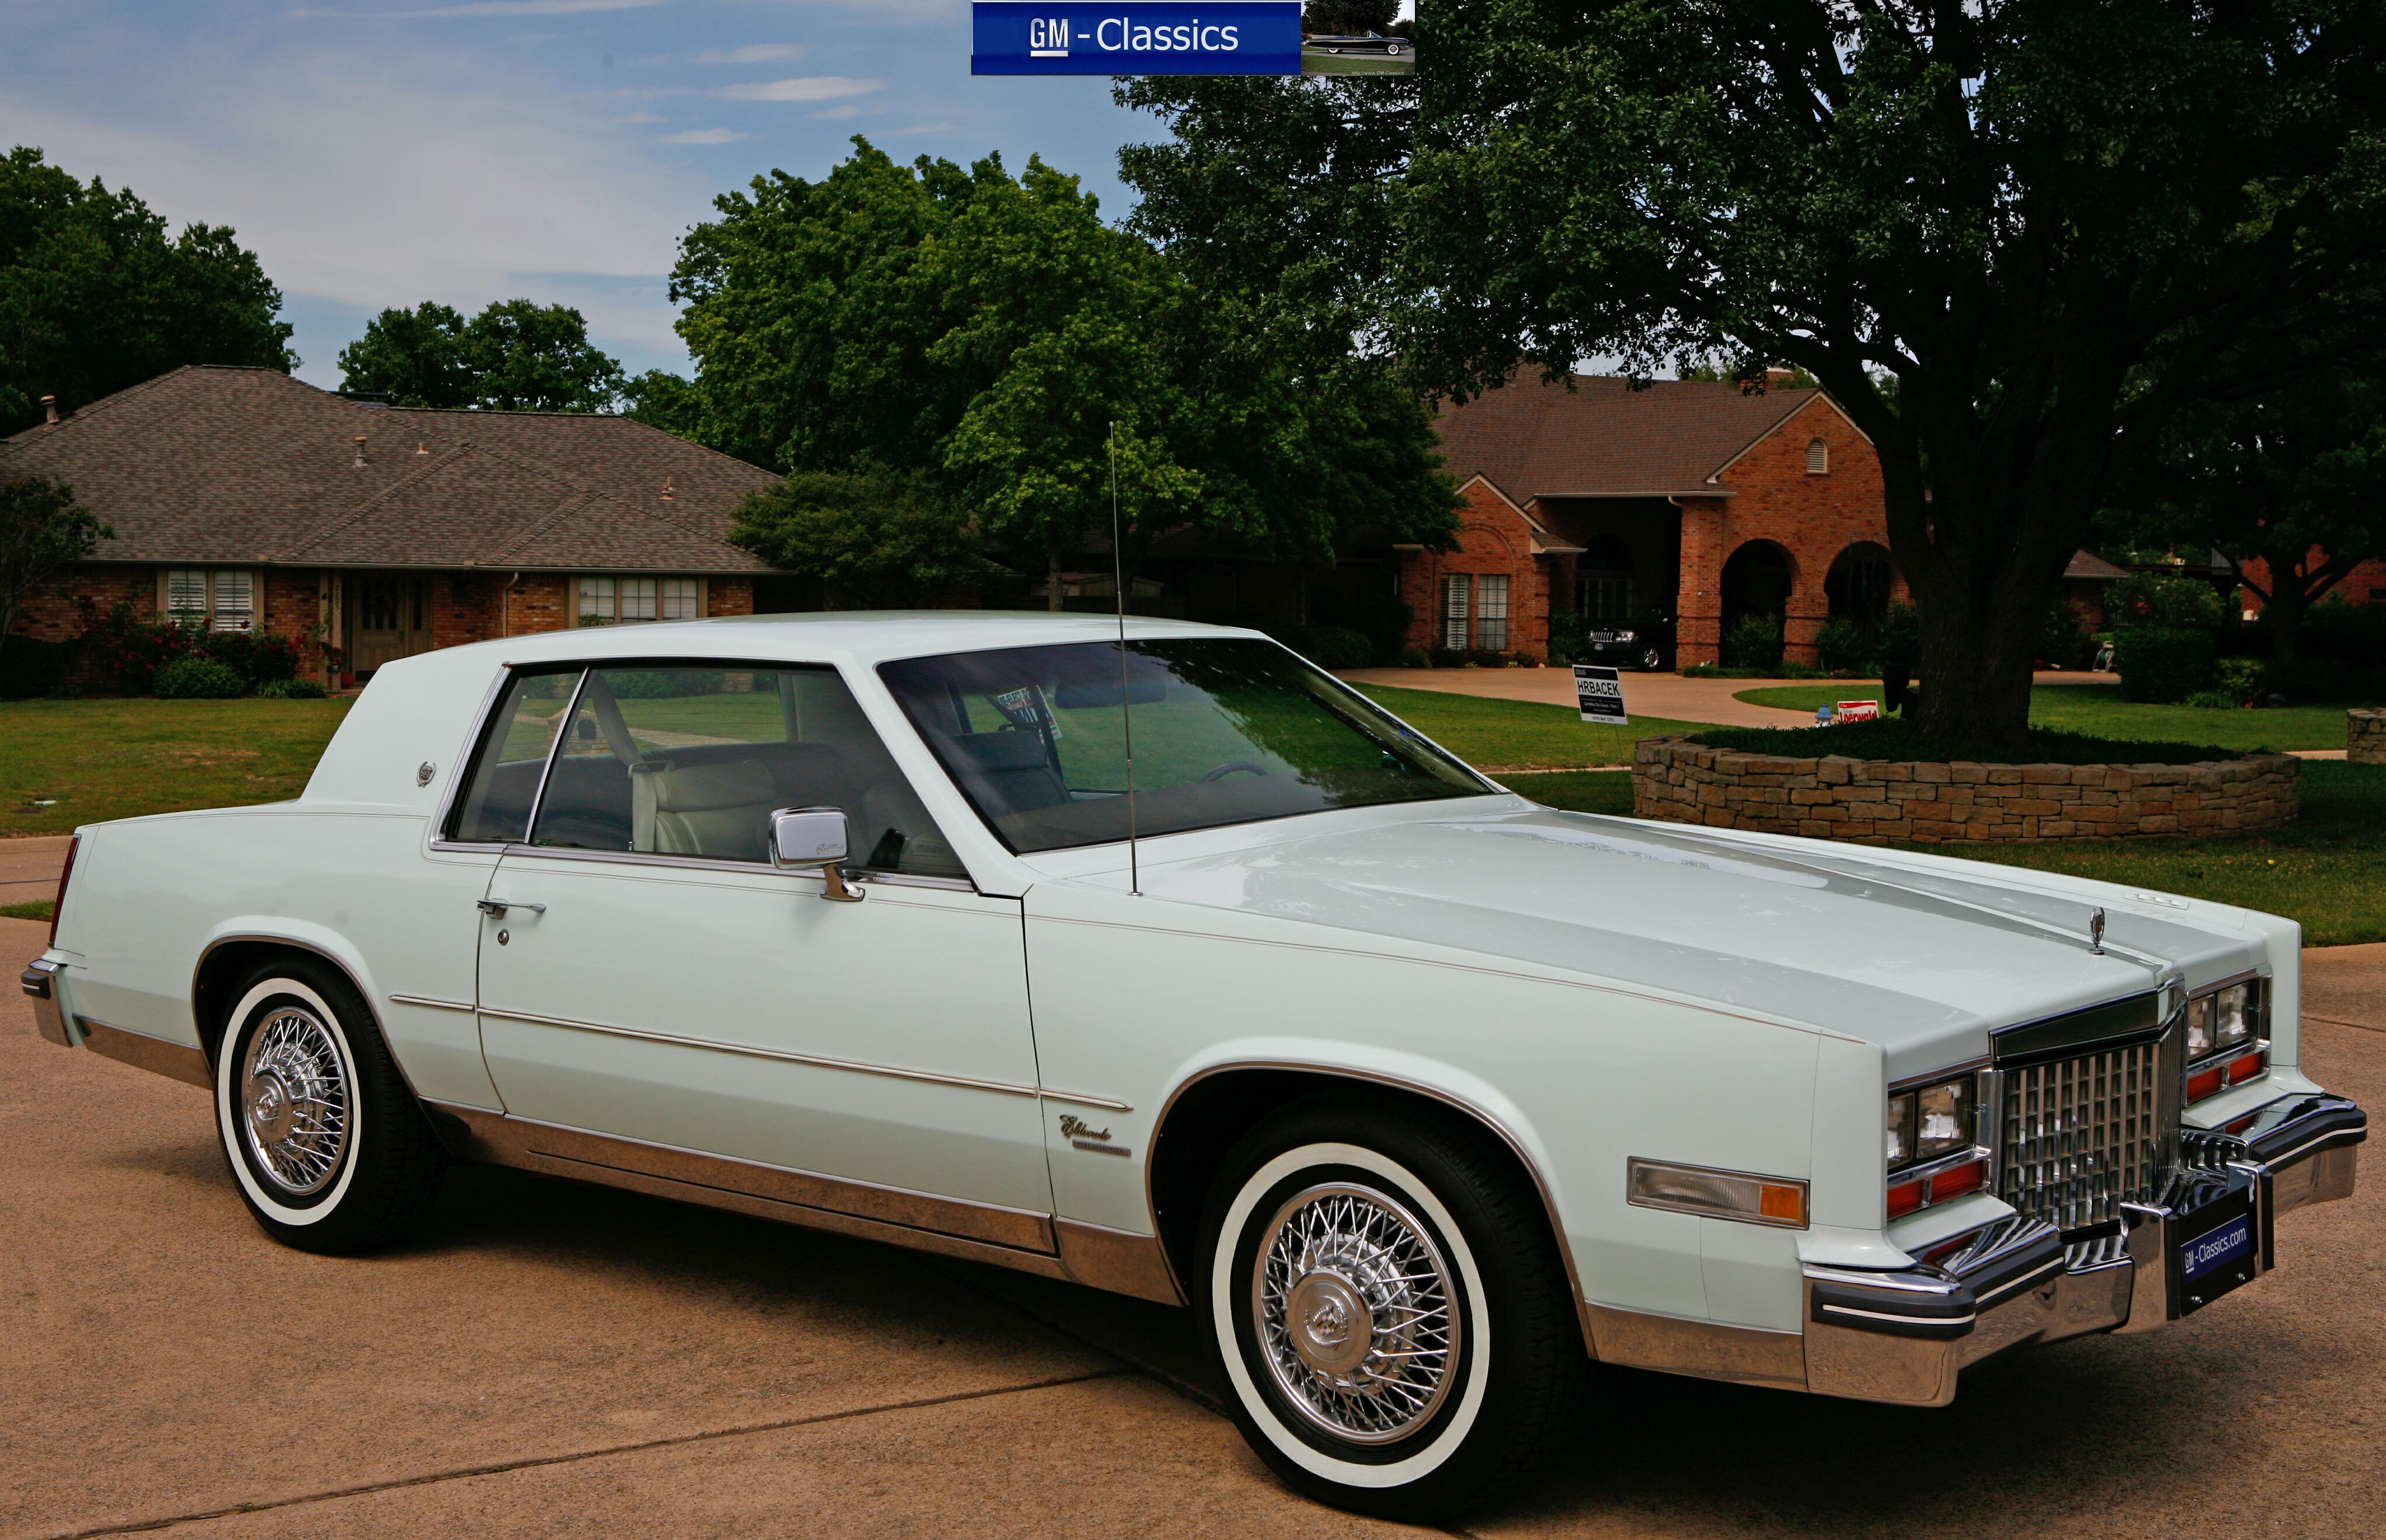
[(327, 1144), (1388, 1311)]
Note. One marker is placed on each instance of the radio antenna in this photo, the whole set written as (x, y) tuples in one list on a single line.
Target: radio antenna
[(1126, 713)]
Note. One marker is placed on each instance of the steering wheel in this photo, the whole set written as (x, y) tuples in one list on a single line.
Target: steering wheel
[(1234, 767)]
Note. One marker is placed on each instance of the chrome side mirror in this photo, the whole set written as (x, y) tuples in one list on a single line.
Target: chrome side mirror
[(813, 839)]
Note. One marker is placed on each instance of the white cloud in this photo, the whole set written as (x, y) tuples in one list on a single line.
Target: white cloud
[(753, 52), (930, 128), (704, 136), (832, 114), (804, 88), (491, 8), (360, 189)]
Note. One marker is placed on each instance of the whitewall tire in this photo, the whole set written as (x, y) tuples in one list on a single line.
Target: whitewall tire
[(326, 1144), (1386, 1311)]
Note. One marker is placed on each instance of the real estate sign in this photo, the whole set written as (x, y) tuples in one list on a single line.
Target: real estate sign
[(1599, 691), (1088, 37)]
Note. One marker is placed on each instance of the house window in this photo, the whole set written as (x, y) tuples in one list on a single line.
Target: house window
[(617, 601), (1491, 613), (1606, 596), (1455, 591), (1819, 458), (219, 600)]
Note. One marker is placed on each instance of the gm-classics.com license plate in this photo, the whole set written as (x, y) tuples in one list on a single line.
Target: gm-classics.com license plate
[(2220, 1260)]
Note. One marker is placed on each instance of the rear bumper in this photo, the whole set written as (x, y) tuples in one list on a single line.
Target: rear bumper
[(40, 981), (1906, 1335)]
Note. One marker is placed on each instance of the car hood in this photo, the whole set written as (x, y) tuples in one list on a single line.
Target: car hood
[(1924, 962)]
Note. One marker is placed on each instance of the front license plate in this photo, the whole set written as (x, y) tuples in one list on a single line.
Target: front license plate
[(2220, 1260)]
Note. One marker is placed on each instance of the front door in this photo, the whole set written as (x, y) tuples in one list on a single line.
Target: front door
[(387, 619), (658, 981)]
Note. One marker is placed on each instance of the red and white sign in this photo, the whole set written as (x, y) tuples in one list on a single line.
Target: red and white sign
[(1857, 711)]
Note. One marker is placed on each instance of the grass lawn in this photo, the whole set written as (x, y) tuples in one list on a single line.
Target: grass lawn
[(2098, 711), (1517, 734), (66, 762), (2325, 871)]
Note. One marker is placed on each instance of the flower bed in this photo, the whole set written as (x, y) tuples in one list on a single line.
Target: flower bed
[(1880, 801)]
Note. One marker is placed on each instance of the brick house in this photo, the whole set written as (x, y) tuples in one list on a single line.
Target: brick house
[(247, 500), (1694, 499)]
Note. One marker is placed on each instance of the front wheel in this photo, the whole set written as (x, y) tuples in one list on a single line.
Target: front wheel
[(1651, 660), (1388, 1309), (327, 1144)]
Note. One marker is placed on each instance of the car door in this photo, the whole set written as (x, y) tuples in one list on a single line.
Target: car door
[(652, 978)]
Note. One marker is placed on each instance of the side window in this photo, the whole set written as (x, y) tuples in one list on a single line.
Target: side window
[(504, 776), (685, 761)]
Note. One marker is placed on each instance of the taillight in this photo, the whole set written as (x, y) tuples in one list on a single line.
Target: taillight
[(64, 872)]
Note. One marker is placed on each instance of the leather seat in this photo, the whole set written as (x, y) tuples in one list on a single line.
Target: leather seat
[(721, 810)]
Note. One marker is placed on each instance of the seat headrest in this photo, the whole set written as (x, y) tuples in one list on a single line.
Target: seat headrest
[(1003, 751), (702, 788)]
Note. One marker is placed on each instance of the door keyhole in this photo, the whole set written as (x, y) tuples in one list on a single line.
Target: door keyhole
[(504, 936)]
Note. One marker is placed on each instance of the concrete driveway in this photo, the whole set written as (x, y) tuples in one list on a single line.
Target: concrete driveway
[(554, 1360)]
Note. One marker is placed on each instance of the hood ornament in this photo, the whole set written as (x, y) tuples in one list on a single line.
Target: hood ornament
[(2096, 933)]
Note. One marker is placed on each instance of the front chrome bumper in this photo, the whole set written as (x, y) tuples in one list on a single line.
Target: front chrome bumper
[(1906, 1335)]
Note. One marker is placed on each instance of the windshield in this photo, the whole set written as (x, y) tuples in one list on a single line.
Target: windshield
[(1226, 732)]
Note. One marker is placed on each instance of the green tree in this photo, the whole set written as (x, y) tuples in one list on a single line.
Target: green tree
[(878, 539), (2013, 240), (97, 295), (43, 530), (415, 357), (2293, 478), (989, 330), (516, 356), (661, 399)]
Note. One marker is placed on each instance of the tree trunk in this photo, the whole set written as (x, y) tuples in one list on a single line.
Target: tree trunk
[(2285, 613), (1053, 576)]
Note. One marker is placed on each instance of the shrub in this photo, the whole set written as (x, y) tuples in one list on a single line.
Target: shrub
[(2341, 632), (2064, 642), (1417, 657), (1899, 643), (2163, 664), (290, 689), (1383, 619), (31, 667), (2213, 700), (1702, 670), (1753, 642), (1568, 638), (2242, 680), (1329, 647), (2163, 599), (257, 657), (1844, 643), (660, 684), (198, 679)]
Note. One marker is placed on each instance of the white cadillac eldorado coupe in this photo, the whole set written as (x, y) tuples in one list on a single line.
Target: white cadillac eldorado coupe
[(1421, 1095)]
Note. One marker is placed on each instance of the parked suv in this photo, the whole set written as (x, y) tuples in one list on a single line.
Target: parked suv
[(1645, 642)]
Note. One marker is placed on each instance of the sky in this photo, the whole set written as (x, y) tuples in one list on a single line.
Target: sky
[(378, 153)]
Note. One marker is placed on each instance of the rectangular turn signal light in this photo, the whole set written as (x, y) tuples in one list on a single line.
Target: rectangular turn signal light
[(1777, 1200)]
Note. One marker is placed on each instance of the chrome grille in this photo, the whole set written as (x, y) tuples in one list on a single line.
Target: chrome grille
[(2083, 1134)]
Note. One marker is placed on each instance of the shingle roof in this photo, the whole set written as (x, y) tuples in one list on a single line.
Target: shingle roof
[(2088, 564), (1605, 439), (208, 464)]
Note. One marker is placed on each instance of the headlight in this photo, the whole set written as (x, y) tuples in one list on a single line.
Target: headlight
[(2236, 1013), (2199, 1027), (1626, 635), (1931, 1122)]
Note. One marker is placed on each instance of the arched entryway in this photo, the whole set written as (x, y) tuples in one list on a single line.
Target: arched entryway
[(1756, 581), (1858, 585)]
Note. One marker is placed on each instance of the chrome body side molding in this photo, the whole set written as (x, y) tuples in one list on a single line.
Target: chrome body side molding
[(804, 1198), (1707, 1350), (1118, 1261), (464, 1005), (174, 1060), (751, 1051)]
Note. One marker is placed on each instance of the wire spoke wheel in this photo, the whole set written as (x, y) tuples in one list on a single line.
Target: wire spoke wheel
[(295, 1101), (1356, 1313)]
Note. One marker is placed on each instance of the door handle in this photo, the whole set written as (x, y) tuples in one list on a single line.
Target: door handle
[(498, 907)]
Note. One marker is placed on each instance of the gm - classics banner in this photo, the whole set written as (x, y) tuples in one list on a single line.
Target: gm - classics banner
[(1086, 37)]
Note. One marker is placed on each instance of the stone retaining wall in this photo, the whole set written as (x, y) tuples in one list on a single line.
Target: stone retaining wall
[(2365, 736), (1876, 801)]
